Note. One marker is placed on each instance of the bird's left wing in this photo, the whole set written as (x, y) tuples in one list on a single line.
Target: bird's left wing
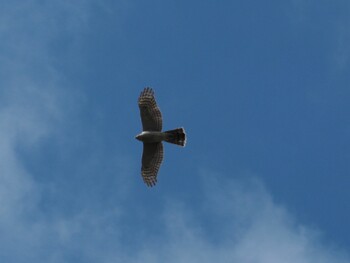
[(152, 158)]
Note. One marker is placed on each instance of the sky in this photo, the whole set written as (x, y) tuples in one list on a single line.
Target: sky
[(261, 88)]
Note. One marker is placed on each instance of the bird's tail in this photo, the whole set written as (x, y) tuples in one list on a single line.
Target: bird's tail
[(176, 136)]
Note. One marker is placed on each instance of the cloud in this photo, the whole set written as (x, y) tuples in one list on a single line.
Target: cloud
[(249, 227), (34, 110), (31, 110), (31, 104)]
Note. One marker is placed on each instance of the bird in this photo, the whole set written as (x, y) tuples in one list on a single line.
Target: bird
[(152, 136)]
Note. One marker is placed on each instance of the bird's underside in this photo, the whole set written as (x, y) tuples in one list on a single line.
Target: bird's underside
[(152, 136)]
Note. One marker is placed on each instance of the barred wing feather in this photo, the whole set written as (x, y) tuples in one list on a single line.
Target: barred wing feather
[(152, 158), (151, 116)]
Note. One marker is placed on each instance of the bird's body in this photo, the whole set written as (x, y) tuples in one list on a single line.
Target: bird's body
[(152, 136)]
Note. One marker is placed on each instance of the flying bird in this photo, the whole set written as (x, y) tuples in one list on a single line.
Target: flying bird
[(152, 136)]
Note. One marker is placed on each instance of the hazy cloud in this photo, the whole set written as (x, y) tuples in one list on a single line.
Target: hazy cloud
[(252, 227)]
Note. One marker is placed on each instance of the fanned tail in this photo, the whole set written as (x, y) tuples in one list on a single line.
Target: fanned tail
[(176, 136)]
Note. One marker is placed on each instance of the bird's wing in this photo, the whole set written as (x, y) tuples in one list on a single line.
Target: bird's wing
[(151, 116), (152, 158)]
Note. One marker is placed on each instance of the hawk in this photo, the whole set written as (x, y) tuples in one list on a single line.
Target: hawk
[(152, 136)]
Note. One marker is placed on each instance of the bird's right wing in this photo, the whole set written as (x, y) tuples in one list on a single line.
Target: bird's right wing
[(152, 158), (151, 116)]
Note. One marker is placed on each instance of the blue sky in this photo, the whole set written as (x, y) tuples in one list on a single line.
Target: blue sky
[(262, 90)]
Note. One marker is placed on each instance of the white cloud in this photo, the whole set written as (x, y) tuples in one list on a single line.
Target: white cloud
[(30, 101), (31, 109), (252, 227)]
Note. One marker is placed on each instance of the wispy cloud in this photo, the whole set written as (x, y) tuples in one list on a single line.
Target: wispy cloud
[(31, 109), (34, 106), (248, 227)]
